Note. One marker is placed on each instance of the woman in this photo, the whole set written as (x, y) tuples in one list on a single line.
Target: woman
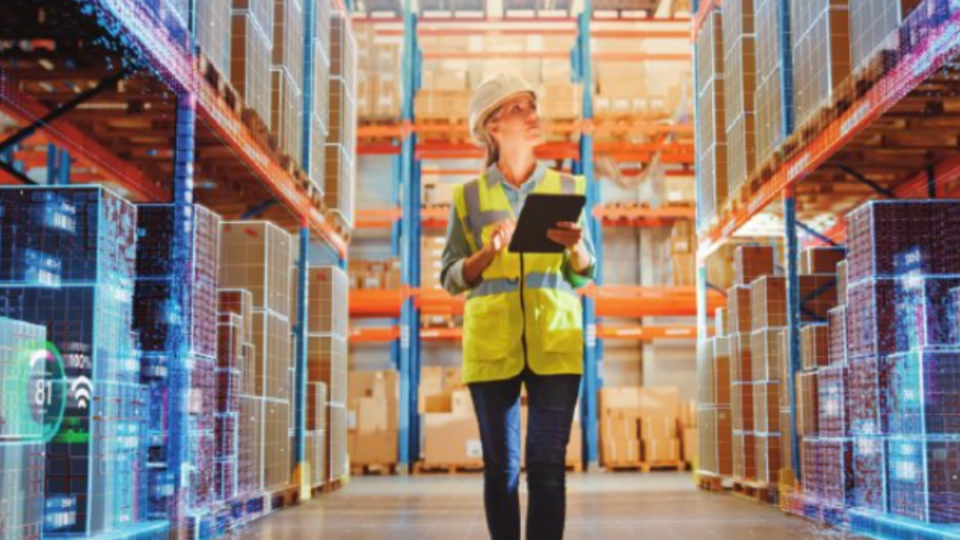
[(522, 318)]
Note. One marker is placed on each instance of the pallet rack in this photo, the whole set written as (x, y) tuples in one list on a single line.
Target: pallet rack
[(125, 100), (412, 141), (883, 134)]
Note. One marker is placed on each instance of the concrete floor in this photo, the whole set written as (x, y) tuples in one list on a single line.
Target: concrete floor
[(600, 507)]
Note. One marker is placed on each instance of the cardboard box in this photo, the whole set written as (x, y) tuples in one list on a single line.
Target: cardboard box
[(768, 302), (684, 272), (461, 403), (437, 403), (683, 238), (619, 428), (753, 262), (431, 380), (374, 415), (654, 428), (451, 439), (814, 346), (691, 444), (644, 400), (821, 260), (722, 364), (375, 448), (688, 416), (740, 309), (721, 322), (620, 452), (575, 446), (661, 450)]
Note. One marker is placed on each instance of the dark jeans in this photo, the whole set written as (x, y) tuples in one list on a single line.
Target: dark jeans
[(551, 403)]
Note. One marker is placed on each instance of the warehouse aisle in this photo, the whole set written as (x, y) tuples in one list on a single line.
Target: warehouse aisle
[(602, 507)]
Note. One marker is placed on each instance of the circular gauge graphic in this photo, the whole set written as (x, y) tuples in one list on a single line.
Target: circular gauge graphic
[(41, 392)]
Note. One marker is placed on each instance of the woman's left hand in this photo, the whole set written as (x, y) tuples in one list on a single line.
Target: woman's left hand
[(566, 234)]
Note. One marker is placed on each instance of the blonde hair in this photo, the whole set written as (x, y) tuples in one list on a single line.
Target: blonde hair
[(492, 149)]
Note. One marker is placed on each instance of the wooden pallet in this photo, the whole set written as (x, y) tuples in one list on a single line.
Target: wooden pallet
[(756, 491), (328, 487), (284, 498), (709, 482), (374, 469), (678, 466), (221, 84), (620, 466), (447, 468)]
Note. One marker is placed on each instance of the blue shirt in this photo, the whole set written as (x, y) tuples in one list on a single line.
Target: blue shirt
[(457, 250)]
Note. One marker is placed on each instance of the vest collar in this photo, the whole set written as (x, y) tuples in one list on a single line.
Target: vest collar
[(494, 176)]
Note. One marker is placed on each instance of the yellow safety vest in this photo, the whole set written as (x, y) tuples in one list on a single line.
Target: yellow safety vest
[(524, 312)]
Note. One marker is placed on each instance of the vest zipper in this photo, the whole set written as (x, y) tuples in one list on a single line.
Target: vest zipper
[(523, 312)]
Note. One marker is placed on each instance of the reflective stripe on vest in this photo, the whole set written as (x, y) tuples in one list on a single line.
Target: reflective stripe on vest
[(495, 286), (477, 218), (547, 281)]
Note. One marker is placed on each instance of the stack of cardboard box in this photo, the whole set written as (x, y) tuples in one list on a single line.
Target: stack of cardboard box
[(714, 357), (740, 78), (213, 34), (257, 256), (431, 258), (437, 193), (378, 74), (450, 431), (446, 105), (251, 49), (683, 254), (341, 143), (711, 118), (366, 274), (821, 51), (639, 425), (689, 426), (286, 76), (560, 100), (373, 405), (431, 262), (316, 436), (327, 358)]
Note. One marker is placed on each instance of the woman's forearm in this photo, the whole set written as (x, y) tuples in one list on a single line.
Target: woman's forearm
[(580, 258), (474, 265)]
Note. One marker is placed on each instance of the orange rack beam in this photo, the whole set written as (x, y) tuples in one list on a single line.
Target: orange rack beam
[(643, 217), (645, 333), (649, 301), (611, 301), (621, 332), (576, 127), (437, 217), (432, 217), (392, 333)]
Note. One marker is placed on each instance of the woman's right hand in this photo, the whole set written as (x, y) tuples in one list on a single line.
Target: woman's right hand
[(500, 236), (479, 261)]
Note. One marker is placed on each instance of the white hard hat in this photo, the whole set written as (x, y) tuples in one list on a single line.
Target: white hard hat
[(491, 94)]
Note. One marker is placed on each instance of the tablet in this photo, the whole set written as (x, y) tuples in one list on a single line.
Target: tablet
[(542, 212)]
